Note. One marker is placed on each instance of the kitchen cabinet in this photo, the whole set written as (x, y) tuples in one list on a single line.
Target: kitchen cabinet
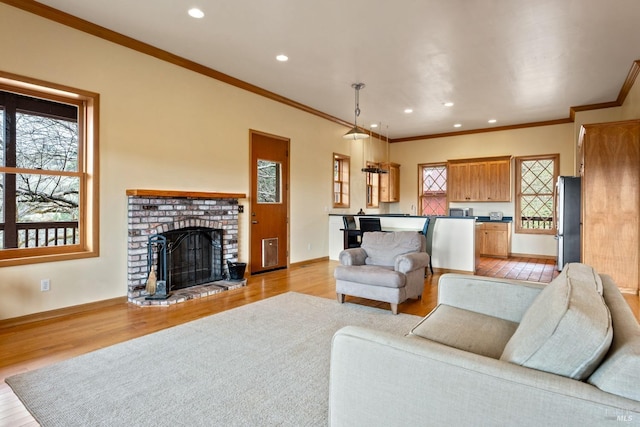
[(458, 182), (494, 239), (479, 180), (608, 156), (390, 183)]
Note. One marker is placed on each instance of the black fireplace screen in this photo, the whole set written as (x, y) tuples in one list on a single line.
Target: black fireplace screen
[(193, 257)]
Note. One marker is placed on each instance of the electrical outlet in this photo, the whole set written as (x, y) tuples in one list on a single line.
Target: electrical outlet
[(309, 247), (45, 285)]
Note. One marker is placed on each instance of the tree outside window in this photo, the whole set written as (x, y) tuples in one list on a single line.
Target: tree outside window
[(269, 179)]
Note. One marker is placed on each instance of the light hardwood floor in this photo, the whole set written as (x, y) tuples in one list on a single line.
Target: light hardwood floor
[(36, 341)]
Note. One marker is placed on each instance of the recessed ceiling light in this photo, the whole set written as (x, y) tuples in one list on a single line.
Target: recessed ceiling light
[(492, 120), (448, 104), (408, 110), (374, 125), (282, 58), (196, 13), (457, 125)]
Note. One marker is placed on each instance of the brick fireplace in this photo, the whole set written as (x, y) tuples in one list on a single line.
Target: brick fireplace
[(153, 212)]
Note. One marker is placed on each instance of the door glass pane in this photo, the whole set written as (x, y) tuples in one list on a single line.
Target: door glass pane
[(269, 181)]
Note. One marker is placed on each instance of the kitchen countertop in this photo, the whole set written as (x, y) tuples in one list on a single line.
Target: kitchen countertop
[(477, 218), (388, 215), (486, 219)]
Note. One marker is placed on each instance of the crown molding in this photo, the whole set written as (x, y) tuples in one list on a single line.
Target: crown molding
[(69, 20)]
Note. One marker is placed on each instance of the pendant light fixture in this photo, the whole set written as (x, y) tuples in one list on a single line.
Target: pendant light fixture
[(356, 133)]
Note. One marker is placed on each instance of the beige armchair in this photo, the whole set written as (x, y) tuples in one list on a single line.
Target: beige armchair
[(386, 267)]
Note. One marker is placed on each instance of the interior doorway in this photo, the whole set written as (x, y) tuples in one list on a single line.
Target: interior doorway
[(269, 202)]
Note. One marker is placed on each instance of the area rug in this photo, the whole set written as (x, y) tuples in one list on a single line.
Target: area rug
[(262, 364)]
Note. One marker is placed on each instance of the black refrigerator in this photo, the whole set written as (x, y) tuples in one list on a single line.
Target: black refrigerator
[(568, 219)]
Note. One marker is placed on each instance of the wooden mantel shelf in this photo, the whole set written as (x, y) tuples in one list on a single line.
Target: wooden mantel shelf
[(187, 194)]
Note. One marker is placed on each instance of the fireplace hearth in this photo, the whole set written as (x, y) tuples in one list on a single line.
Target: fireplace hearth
[(201, 231)]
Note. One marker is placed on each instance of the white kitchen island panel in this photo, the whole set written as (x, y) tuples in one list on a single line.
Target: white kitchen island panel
[(454, 239), (454, 244)]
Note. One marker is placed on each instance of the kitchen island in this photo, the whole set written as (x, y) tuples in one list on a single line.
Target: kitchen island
[(453, 245)]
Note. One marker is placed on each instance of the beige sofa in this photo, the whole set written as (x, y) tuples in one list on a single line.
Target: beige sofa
[(497, 352)]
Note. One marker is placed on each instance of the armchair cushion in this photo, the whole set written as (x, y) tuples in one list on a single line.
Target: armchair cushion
[(566, 330), (371, 275), (382, 248)]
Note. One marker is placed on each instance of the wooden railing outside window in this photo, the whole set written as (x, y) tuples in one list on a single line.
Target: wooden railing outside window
[(44, 234)]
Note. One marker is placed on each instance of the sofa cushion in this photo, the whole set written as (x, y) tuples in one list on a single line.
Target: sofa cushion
[(619, 373), (370, 275), (466, 330), (566, 330), (382, 248)]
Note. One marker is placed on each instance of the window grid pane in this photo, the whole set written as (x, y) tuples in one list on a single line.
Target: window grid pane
[(46, 143), (433, 198), (537, 180), (340, 181)]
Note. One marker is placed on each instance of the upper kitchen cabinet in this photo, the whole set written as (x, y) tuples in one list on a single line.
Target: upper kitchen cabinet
[(608, 159), (390, 183), (480, 180)]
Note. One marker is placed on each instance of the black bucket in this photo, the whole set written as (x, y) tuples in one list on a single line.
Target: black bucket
[(236, 270)]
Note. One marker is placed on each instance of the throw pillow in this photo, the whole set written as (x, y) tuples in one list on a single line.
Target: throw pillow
[(566, 330)]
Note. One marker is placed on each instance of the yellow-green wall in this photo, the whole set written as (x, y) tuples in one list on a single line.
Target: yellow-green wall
[(164, 127), (517, 142), (161, 127)]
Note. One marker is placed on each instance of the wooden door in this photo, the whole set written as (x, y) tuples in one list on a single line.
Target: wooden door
[(269, 202), (611, 201)]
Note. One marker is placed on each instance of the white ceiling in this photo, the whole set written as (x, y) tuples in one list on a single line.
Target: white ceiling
[(518, 61)]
